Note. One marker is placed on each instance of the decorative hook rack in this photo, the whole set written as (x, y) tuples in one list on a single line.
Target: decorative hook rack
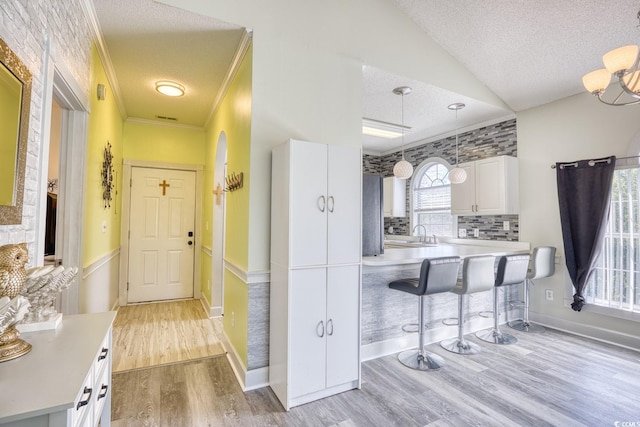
[(234, 182)]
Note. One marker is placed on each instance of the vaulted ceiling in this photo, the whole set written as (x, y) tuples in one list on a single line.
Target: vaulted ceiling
[(528, 52)]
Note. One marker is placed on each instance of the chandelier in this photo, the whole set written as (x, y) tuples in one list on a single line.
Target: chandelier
[(622, 64), (402, 169)]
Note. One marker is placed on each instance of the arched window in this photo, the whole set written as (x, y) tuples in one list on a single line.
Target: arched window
[(431, 198)]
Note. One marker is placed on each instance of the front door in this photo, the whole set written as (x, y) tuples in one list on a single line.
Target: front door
[(162, 221)]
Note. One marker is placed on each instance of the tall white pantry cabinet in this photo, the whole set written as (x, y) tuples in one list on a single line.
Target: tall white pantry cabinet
[(316, 246)]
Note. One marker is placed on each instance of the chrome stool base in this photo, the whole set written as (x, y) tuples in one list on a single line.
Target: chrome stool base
[(454, 345), (421, 362), (521, 325), (494, 336)]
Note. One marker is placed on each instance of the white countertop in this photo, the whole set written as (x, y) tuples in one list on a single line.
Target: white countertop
[(403, 256)]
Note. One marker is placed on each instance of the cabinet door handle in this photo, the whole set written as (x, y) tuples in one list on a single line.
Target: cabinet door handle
[(330, 327), (330, 203), (324, 202), (103, 391), (320, 329), (103, 354), (86, 401)]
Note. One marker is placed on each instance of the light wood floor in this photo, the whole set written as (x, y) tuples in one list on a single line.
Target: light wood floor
[(549, 379), (160, 333)]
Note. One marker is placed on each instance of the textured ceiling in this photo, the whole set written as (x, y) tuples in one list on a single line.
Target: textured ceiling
[(147, 42), (528, 52)]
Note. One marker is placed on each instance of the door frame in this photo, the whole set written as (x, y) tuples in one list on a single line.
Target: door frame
[(127, 164), (59, 83)]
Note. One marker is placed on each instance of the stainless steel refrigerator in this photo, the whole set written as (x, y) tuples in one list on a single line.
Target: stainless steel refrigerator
[(372, 215)]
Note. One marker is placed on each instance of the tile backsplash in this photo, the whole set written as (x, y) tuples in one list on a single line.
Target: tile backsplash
[(489, 141)]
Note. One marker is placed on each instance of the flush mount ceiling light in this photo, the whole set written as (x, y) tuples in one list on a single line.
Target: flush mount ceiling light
[(457, 175), (382, 129), (402, 169), (621, 63), (170, 88)]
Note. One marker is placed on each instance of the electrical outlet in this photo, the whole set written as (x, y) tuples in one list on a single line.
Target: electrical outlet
[(233, 319), (462, 232), (505, 225), (548, 295), (476, 232)]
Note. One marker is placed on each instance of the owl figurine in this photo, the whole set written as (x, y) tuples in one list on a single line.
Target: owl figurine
[(12, 272)]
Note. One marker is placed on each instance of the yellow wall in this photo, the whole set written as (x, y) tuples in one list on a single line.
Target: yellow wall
[(105, 125), (10, 101), (163, 143), (233, 117)]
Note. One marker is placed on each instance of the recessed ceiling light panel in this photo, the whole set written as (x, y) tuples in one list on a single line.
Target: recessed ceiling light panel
[(170, 88)]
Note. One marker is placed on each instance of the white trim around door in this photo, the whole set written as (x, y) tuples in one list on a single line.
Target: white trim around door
[(127, 164)]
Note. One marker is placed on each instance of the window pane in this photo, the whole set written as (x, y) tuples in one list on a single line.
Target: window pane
[(432, 200)]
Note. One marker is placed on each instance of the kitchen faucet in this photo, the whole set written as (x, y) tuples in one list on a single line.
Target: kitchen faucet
[(422, 239)]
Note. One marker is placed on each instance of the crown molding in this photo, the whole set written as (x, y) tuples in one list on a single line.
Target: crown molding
[(97, 37), (149, 122)]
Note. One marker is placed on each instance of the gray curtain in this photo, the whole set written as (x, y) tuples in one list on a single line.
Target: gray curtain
[(584, 193)]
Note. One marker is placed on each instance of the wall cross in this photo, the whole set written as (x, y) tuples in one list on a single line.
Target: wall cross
[(164, 186)]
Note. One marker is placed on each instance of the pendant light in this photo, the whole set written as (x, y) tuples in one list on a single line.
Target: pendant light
[(457, 175), (402, 169)]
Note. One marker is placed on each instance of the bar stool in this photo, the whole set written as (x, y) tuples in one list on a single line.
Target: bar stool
[(477, 276), (437, 275), (543, 265), (512, 269)]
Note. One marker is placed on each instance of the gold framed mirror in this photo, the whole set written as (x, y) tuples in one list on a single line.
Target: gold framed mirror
[(15, 100)]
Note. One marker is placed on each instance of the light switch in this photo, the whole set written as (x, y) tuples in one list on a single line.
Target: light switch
[(104, 226)]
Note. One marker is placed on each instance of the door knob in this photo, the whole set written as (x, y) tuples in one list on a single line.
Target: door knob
[(190, 242)]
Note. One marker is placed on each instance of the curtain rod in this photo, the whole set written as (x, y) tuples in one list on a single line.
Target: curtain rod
[(599, 161)]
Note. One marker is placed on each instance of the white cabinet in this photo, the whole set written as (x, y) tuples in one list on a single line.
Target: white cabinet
[(65, 380), (395, 197), (491, 188), (316, 219)]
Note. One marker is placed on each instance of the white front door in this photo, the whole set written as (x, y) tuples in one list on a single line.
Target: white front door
[(162, 222)]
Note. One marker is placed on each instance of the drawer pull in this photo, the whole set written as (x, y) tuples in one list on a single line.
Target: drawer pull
[(82, 403), (103, 391), (103, 354)]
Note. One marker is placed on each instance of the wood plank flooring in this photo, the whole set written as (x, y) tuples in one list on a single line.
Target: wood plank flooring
[(168, 332), (549, 379)]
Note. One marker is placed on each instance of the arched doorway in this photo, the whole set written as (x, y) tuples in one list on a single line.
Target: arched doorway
[(218, 221)]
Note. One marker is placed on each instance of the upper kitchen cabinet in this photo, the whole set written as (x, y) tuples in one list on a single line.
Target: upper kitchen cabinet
[(491, 188), (395, 197), (319, 203)]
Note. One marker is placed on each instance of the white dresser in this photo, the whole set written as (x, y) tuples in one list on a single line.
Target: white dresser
[(65, 380)]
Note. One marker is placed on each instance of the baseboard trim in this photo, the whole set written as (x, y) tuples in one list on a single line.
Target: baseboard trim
[(596, 333), (247, 379), (211, 312), (433, 335)]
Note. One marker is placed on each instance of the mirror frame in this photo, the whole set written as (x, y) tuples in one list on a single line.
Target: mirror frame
[(10, 215)]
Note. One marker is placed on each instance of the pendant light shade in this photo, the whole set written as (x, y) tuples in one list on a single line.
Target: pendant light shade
[(402, 169), (457, 175)]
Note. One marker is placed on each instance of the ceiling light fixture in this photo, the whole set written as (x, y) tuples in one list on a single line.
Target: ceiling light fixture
[(457, 175), (621, 63), (170, 88), (402, 169), (382, 129)]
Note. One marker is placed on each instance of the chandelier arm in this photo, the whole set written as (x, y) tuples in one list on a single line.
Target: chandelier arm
[(624, 86), (613, 104)]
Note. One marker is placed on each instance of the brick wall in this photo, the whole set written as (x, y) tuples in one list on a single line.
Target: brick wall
[(489, 141), (28, 27)]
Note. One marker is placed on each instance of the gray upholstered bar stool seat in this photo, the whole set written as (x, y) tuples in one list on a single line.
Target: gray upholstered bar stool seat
[(477, 276), (543, 265), (512, 269), (437, 275)]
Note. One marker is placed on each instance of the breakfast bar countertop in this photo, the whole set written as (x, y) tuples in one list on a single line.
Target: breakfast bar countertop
[(414, 255)]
